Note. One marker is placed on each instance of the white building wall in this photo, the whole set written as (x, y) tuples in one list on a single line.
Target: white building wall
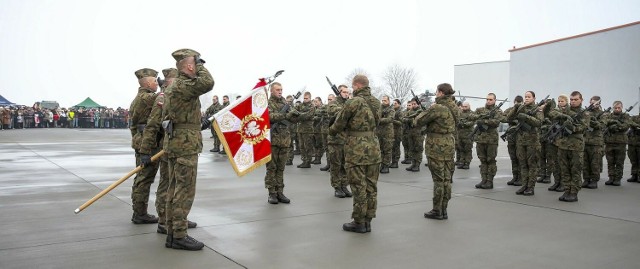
[(605, 64), (481, 78)]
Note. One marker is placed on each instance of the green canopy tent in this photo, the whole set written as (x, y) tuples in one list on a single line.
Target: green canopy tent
[(88, 103)]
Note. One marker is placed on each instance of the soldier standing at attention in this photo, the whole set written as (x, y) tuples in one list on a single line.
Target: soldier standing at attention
[(359, 119), (440, 123), (593, 145), (225, 103), (324, 128), (548, 154), (152, 143), (318, 143), (293, 134), (397, 133), (212, 110), (634, 147), (465, 144), (335, 147), (415, 138), (405, 134), (487, 141), (571, 146), (552, 150), (511, 145), (280, 142), (384, 131), (527, 141), (183, 143), (617, 124), (140, 110), (305, 130)]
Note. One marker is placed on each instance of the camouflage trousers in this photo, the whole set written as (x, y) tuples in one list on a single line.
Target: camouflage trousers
[(441, 175), (487, 154), (416, 147), (363, 180), (306, 146), (337, 171), (515, 166), (570, 162), (405, 146), (634, 157), (615, 160), (386, 147), (319, 145), (274, 179), (548, 157), (395, 155), (180, 193), (592, 162), (216, 140), (464, 150), (142, 186), (528, 156), (163, 185)]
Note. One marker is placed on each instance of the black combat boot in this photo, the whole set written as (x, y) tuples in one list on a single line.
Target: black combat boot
[(488, 184), (384, 169), (529, 191), (162, 229), (367, 225), (394, 165), (282, 198), (609, 182), (444, 214), (546, 180), (304, 165), (593, 184), (325, 168), (346, 191), (316, 160), (633, 178), (518, 182), (434, 214), (222, 152), (521, 190), (585, 183), (512, 181), (339, 192), (273, 198), (144, 219), (571, 197), (540, 179), (356, 227), (214, 150), (186, 243), (616, 182), (554, 186), (560, 188), (296, 152), (484, 181), (410, 168), (168, 241), (465, 166), (191, 224), (416, 168), (406, 161), (459, 165), (564, 196), (289, 162)]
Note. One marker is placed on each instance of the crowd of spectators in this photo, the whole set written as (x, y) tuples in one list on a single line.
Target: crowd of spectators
[(21, 117)]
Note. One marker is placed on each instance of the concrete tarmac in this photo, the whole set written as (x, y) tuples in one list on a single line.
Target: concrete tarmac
[(47, 173)]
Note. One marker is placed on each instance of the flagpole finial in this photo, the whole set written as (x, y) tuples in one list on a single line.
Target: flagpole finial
[(272, 78)]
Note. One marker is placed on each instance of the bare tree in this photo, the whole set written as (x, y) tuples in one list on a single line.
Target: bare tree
[(398, 82)]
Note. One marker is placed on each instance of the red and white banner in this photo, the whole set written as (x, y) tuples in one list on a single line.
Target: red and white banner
[(245, 131)]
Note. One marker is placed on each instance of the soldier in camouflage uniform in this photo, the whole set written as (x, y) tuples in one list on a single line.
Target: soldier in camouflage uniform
[(318, 143), (548, 153), (212, 110), (527, 140), (552, 147), (487, 141), (440, 122), (593, 144), (335, 147), (152, 141), (634, 147), (415, 138), (140, 110), (615, 139), (405, 134), (183, 143), (397, 133), (358, 119), (293, 127), (324, 129), (384, 131), (225, 103), (464, 142), (571, 146), (305, 130), (511, 145), (279, 114)]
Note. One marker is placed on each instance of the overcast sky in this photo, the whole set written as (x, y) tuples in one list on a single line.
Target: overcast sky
[(69, 50)]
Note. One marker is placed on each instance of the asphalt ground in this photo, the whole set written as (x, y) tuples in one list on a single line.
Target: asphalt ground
[(47, 173)]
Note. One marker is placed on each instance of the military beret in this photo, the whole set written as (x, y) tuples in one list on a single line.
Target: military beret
[(146, 72), (170, 73), (184, 53)]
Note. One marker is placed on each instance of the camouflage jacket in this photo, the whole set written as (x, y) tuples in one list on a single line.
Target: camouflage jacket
[(333, 108), (440, 123), (153, 133), (213, 109), (490, 135), (318, 118), (409, 127), (528, 132), (280, 136), (594, 134), (182, 107), (386, 120), (359, 118), (397, 123), (465, 125), (305, 119), (634, 131), (574, 141), (140, 109), (616, 127)]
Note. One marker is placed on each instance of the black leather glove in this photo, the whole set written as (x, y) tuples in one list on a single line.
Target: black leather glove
[(198, 59), (205, 124), (145, 160)]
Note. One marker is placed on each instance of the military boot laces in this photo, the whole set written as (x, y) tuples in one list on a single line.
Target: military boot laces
[(282, 198), (144, 219), (346, 191), (356, 227), (273, 198), (339, 192), (434, 214), (186, 243)]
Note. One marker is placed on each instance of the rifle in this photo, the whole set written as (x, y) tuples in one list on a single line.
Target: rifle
[(418, 100), (597, 117), (484, 127), (521, 124), (607, 131), (333, 87), (558, 129)]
